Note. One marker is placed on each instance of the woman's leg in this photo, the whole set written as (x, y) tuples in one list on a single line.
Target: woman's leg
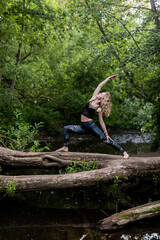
[(67, 130), (71, 129), (95, 130)]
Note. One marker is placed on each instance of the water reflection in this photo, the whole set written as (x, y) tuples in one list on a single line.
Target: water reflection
[(70, 233), (47, 233), (20, 222)]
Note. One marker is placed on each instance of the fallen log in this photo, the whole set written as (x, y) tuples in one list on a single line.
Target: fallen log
[(110, 166), (124, 218), (17, 159)]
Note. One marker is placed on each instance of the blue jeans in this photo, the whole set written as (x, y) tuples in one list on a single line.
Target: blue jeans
[(89, 127)]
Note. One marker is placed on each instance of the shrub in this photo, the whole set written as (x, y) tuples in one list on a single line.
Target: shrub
[(75, 167), (20, 135)]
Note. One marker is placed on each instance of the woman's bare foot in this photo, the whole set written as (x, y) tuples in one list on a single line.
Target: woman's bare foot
[(62, 149), (125, 154)]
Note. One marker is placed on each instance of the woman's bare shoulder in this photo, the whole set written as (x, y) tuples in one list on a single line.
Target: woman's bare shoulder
[(99, 110)]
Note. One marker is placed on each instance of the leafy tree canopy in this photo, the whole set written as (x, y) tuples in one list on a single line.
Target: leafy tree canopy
[(54, 54)]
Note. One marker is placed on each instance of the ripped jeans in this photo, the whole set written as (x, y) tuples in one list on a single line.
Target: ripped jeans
[(89, 127)]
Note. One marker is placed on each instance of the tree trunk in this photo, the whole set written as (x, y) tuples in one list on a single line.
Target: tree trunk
[(19, 52), (155, 12), (16, 159), (110, 166), (122, 219), (0, 74)]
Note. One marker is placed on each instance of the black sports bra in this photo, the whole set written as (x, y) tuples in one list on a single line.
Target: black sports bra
[(88, 111)]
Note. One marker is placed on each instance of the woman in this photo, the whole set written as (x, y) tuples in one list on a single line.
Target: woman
[(99, 103)]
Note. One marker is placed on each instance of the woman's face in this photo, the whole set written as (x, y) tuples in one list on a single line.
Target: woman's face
[(100, 96)]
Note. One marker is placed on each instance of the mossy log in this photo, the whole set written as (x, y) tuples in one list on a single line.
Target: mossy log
[(127, 217), (110, 166)]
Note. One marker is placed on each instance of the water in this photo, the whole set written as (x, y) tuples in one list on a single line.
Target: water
[(22, 221), (147, 230)]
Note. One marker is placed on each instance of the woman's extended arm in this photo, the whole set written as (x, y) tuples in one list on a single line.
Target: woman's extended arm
[(103, 126), (97, 90)]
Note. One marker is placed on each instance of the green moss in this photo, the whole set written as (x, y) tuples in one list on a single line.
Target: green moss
[(157, 209), (133, 216)]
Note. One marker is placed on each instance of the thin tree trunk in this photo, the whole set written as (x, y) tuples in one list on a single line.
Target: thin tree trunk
[(0, 75), (155, 12), (19, 52), (17, 64), (130, 34)]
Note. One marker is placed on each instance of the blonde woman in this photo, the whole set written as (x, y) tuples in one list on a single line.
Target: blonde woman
[(100, 103)]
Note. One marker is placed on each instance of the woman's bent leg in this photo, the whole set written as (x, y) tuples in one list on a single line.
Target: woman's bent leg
[(71, 129), (67, 130)]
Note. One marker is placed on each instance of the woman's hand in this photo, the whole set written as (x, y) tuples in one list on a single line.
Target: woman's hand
[(97, 90), (113, 77), (109, 138)]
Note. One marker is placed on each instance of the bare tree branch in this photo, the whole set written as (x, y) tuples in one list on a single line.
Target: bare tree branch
[(126, 30), (126, 6)]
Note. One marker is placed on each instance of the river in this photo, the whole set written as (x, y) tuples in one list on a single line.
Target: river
[(22, 221)]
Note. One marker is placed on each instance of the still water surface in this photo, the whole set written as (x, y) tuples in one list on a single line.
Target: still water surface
[(22, 222)]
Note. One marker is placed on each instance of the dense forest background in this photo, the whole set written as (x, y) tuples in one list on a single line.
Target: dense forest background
[(53, 54)]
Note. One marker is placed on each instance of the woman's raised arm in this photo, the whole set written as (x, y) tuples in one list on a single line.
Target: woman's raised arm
[(97, 90)]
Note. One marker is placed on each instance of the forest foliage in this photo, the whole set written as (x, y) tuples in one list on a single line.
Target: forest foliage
[(54, 53)]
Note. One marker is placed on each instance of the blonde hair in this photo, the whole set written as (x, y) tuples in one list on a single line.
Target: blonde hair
[(106, 104)]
